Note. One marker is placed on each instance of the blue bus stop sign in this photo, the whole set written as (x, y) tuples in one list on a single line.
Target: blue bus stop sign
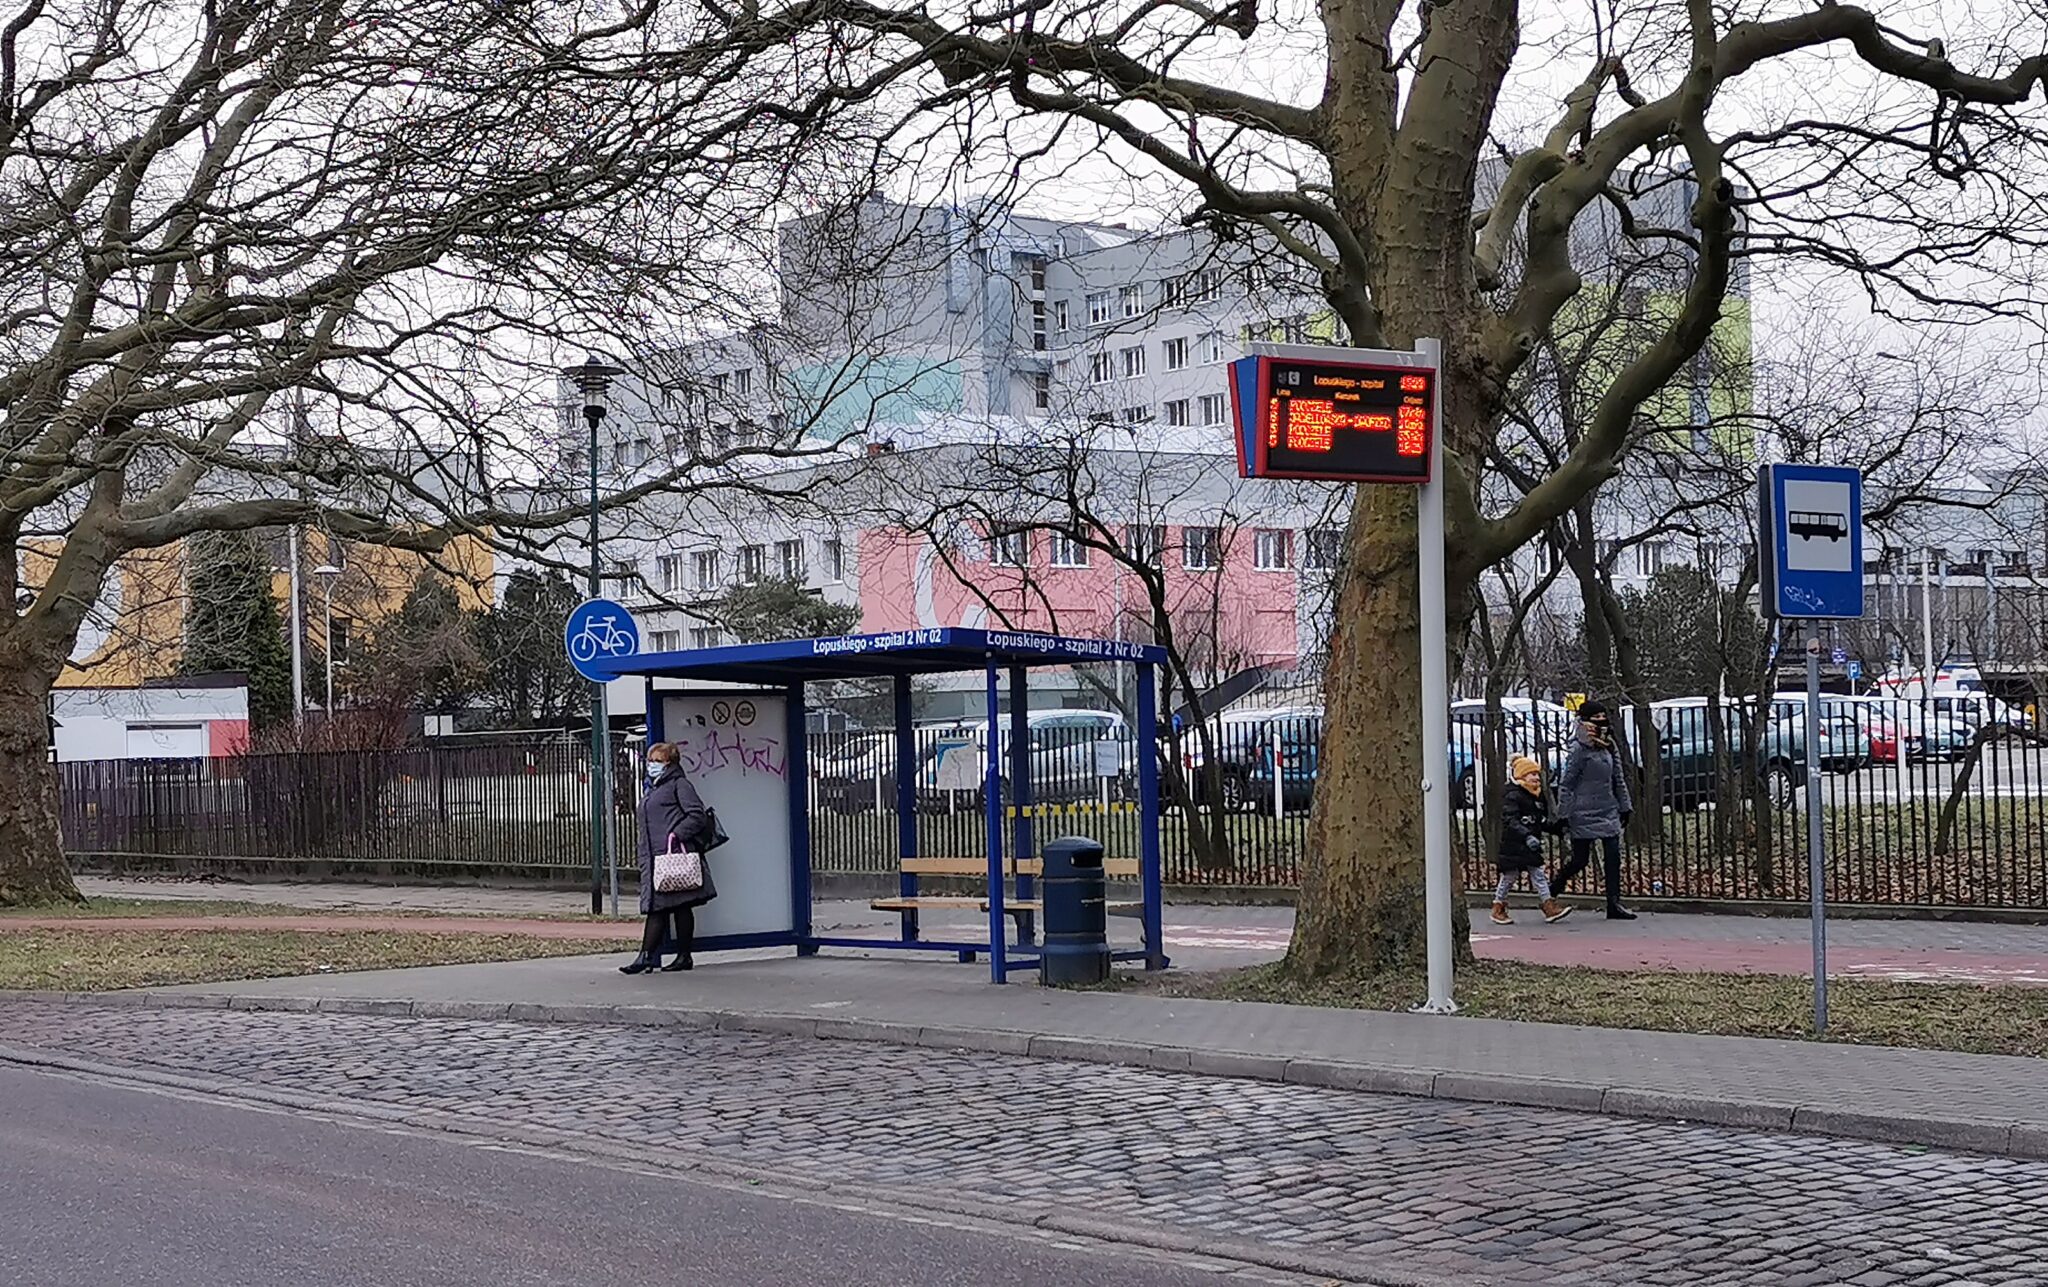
[(599, 630), (1810, 521)]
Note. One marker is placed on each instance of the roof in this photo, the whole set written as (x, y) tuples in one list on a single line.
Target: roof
[(901, 652)]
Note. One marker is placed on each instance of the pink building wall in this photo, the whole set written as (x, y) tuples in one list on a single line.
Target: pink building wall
[(906, 585)]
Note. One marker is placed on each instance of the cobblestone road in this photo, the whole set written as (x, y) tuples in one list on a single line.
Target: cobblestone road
[(1489, 1195)]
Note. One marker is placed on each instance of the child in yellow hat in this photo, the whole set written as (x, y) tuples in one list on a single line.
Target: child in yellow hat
[(1523, 821)]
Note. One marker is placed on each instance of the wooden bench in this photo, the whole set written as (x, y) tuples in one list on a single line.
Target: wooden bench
[(1021, 910)]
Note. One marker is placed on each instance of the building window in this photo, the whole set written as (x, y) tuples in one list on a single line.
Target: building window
[(1137, 415), (1651, 557), (621, 570), (1067, 551), (1133, 301), (1201, 548), (1059, 314), (1133, 361), (789, 558), (1211, 348), (743, 381), (1011, 549), (835, 560), (704, 637), (1037, 276), (666, 640), (671, 566), (1101, 368), (337, 641), (1323, 549), (1098, 308), (718, 382), (1177, 411), (1145, 543), (1176, 353), (1212, 408), (1041, 390), (1038, 340), (753, 563), (1173, 292), (1274, 551), (1208, 286), (706, 569)]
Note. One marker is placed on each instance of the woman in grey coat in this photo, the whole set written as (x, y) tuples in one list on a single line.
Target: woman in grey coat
[(1592, 796), (671, 817)]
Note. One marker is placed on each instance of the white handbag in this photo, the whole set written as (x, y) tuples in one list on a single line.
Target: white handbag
[(678, 871)]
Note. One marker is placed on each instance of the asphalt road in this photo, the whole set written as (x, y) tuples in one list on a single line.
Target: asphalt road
[(103, 1184)]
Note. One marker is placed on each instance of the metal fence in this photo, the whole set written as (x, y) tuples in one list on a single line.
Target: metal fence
[(1919, 811), (480, 809)]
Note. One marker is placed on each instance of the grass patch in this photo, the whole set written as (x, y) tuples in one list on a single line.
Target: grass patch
[(100, 961), (1927, 1016)]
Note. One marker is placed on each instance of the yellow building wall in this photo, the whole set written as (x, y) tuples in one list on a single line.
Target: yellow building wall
[(145, 639)]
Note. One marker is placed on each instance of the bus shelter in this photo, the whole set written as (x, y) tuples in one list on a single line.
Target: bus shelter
[(739, 730)]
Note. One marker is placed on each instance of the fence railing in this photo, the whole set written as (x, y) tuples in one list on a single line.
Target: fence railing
[(1918, 812)]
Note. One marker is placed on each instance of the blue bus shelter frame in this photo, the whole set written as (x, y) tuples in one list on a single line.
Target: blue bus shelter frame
[(789, 665)]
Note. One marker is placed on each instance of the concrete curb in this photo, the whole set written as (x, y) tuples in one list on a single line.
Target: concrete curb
[(895, 1201), (2018, 1139)]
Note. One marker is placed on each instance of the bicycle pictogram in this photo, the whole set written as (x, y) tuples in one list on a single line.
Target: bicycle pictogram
[(599, 632), (601, 637)]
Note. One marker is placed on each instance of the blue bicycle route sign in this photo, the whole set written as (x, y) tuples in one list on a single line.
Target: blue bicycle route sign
[(599, 630), (1810, 519)]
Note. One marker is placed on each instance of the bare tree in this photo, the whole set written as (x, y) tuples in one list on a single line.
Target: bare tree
[(1366, 169), (313, 263), (1077, 494)]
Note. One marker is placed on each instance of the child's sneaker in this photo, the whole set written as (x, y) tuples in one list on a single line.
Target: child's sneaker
[(1554, 911), (1500, 915)]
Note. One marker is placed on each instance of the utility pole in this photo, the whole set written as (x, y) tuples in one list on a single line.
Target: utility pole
[(594, 379)]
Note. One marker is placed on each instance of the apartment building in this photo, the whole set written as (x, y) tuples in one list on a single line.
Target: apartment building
[(911, 340)]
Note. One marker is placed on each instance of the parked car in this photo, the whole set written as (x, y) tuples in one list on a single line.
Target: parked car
[(1888, 736), (856, 772), (1543, 730), (1235, 736), (1062, 757), (1686, 750), (1300, 749), (1844, 742)]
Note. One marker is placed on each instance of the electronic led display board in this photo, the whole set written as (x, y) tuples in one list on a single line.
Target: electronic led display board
[(1339, 421)]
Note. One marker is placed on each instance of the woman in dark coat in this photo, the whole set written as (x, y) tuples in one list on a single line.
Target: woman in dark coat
[(1593, 797), (671, 817)]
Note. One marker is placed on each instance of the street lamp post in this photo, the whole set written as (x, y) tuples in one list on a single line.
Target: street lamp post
[(327, 572), (594, 379)]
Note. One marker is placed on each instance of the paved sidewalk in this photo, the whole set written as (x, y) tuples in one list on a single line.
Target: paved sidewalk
[(1211, 935), (1983, 1103)]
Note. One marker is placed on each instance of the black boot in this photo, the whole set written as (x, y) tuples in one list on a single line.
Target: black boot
[(639, 965), (682, 962), (1616, 912)]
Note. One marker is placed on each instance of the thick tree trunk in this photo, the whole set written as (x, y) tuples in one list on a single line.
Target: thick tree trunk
[(1361, 906), (32, 866)]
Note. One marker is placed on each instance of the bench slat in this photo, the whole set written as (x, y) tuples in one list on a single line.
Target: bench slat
[(1121, 867), (925, 902)]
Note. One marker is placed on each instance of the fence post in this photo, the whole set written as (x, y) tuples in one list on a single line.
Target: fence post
[(1279, 774)]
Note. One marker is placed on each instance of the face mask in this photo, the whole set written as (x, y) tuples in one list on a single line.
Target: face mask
[(655, 768)]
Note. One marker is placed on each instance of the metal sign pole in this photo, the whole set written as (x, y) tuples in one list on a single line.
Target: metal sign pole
[(1815, 865), (1436, 707)]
